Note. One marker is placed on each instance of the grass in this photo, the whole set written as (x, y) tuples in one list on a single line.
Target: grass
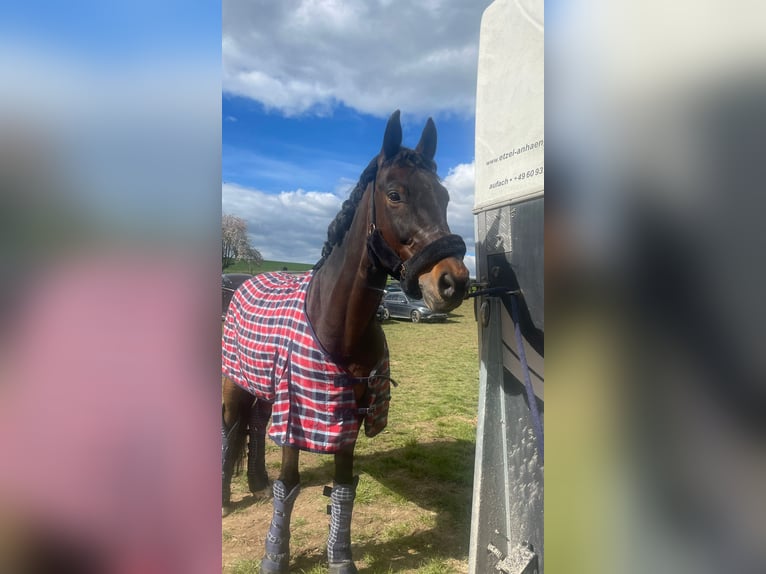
[(426, 453), (435, 566), (414, 495), (246, 567)]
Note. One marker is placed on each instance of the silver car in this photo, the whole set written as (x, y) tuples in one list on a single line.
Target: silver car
[(399, 305)]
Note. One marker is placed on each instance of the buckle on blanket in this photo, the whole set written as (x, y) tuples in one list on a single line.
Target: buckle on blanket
[(345, 381), (344, 414), (349, 381)]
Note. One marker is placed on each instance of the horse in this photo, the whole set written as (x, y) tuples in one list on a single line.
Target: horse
[(306, 351)]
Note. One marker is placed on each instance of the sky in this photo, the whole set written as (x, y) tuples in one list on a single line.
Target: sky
[(120, 102), (308, 86)]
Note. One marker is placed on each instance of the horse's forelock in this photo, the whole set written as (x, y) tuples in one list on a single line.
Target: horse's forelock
[(410, 158)]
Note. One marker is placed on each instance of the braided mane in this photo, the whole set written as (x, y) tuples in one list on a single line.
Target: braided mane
[(342, 222)]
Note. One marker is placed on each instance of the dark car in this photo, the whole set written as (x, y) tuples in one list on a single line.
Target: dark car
[(229, 283), (401, 306)]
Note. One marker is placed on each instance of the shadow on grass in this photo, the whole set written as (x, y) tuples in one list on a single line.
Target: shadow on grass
[(436, 476), (261, 497), (417, 552)]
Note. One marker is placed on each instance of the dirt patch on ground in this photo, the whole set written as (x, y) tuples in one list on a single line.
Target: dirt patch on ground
[(392, 530)]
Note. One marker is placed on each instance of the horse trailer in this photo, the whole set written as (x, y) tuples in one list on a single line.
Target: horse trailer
[(507, 515)]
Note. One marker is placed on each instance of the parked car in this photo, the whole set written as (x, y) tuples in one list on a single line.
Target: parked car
[(401, 306), (382, 313), (230, 282)]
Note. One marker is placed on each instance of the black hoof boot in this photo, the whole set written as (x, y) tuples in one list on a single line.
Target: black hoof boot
[(339, 543), (277, 557)]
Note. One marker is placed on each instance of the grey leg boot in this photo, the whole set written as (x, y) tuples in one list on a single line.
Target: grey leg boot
[(339, 542), (233, 440), (257, 477), (277, 557)]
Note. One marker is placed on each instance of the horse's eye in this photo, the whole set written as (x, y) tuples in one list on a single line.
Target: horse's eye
[(394, 196)]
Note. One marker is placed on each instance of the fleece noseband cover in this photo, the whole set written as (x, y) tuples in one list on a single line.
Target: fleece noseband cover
[(407, 272)]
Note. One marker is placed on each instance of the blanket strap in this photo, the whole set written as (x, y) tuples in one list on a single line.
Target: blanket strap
[(349, 381)]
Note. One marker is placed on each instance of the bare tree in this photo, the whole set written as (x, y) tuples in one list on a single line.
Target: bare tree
[(251, 256), (235, 245)]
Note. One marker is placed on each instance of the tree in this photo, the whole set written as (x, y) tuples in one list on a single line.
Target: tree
[(235, 245), (251, 256)]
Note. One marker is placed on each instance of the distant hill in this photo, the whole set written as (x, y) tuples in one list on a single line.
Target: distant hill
[(240, 267)]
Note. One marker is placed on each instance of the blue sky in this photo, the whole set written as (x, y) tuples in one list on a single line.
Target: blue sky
[(124, 99), (131, 92), (115, 32), (267, 150), (308, 86)]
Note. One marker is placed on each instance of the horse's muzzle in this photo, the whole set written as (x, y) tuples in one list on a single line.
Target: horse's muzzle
[(445, 285), (447, 246)]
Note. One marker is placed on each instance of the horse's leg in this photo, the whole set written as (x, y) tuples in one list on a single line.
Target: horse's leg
[(257, 477), (286, 489), (235, 408), (341, 507)]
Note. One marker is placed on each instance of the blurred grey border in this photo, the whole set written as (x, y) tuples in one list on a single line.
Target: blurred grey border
[(655, 114), (110, 182), (656, 118)]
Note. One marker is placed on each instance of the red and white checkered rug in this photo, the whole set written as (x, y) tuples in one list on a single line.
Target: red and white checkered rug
[(270, 350)]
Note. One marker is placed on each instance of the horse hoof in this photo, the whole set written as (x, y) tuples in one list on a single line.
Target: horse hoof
[(258, 483), (346, 567), (226, 509)]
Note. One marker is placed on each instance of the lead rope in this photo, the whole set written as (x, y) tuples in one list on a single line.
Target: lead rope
[(537, 424)]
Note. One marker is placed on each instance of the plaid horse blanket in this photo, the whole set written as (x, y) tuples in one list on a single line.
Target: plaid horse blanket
[(270, 349)]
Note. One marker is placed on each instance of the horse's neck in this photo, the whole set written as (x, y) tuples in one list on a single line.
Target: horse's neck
[(343, 297)]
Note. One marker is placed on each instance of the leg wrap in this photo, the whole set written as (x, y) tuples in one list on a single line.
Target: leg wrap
[(339, 542), (277, 557), (257, 477), (232, 442)]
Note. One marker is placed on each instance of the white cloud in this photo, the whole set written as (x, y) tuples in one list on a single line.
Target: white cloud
[(292, 225), (460, 184), (289, 226), (470, 262), (373, 56)]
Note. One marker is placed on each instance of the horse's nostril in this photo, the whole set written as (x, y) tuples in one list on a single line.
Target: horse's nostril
[(446, 286)]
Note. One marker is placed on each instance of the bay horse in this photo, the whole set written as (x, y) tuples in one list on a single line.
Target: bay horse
[(306, 351)]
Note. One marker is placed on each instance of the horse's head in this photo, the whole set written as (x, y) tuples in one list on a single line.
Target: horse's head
[(409, 234)]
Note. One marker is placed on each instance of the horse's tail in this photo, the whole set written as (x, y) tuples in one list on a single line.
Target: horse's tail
[(234, 443), (239, 453)]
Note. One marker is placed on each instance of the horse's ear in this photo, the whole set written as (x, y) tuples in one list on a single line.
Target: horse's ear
[(427, 143), (392, 140)]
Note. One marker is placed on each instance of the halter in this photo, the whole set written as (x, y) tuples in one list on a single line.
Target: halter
[(383, 256)]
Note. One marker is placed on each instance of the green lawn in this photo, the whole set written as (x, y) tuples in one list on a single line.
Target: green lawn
[(413, 506), (266, 266)]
